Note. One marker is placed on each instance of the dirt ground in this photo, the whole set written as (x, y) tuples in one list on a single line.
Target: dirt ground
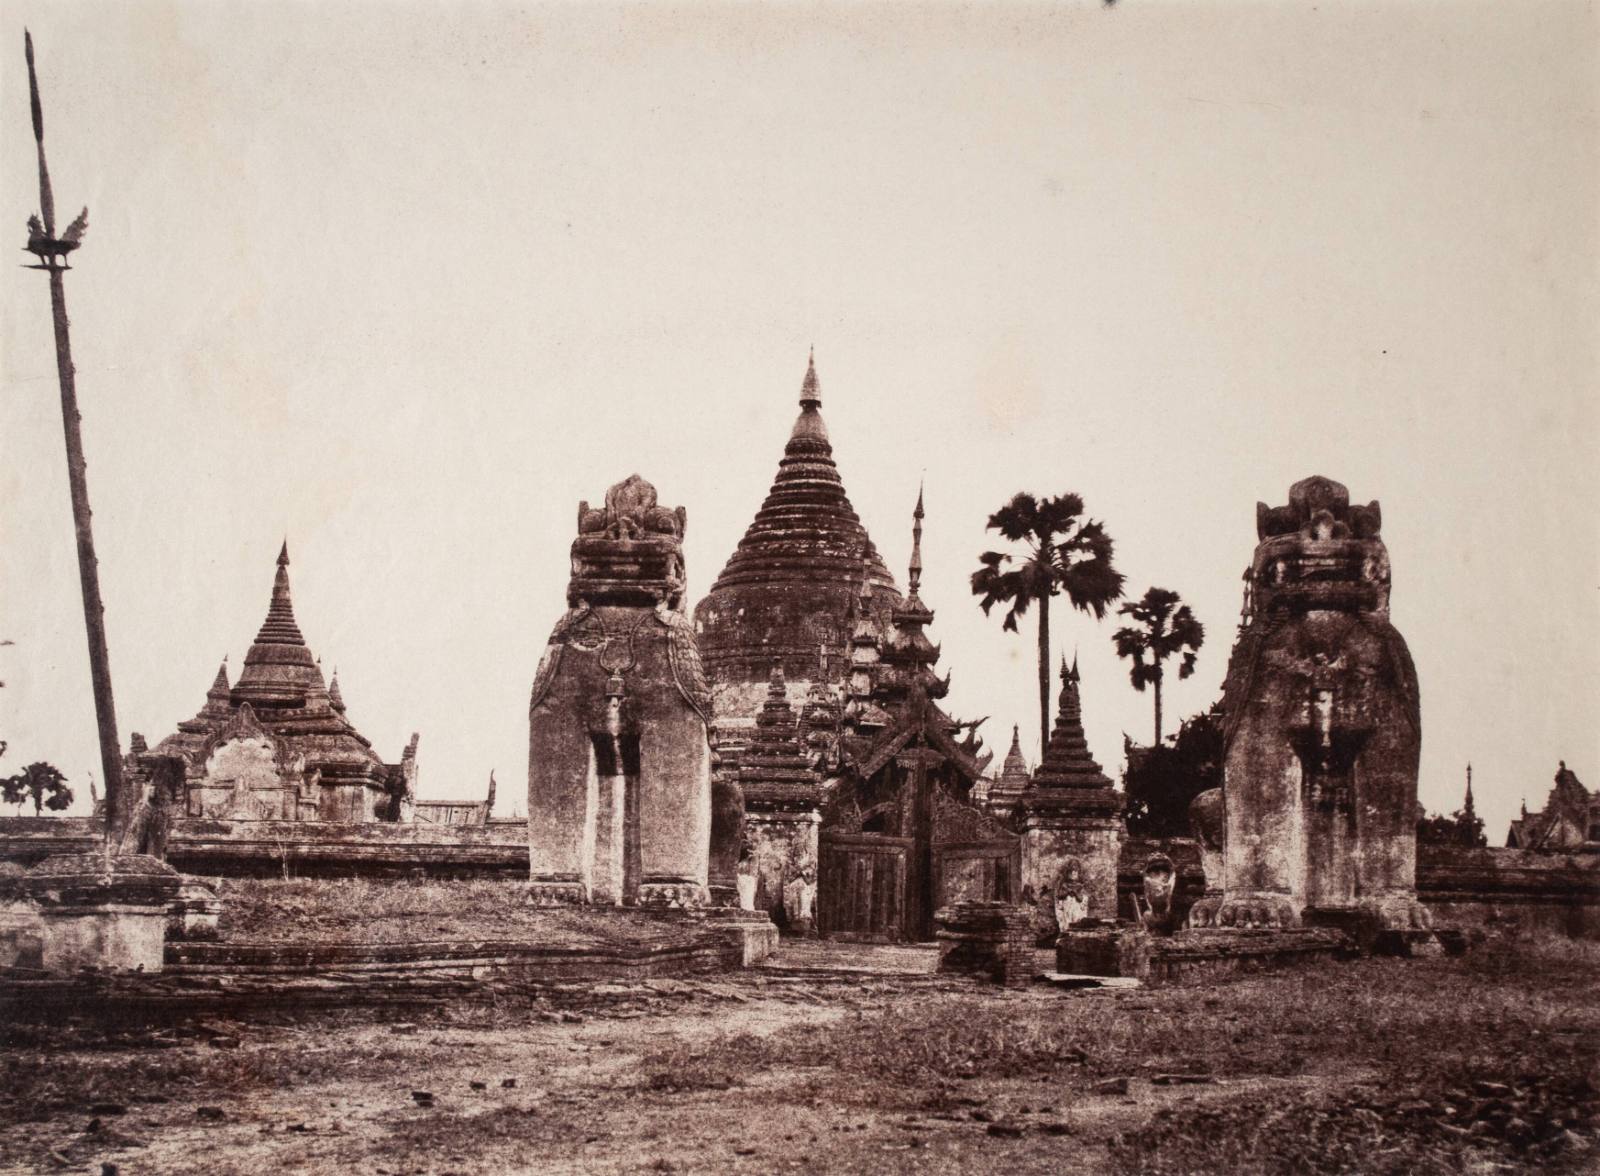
[(837, 1059)]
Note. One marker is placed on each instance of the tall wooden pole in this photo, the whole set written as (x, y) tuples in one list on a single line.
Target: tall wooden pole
[(52, 253)]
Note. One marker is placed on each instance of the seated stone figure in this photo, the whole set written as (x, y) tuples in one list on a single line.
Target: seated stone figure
[(1071, 895), (1160, 881), (150, 823)]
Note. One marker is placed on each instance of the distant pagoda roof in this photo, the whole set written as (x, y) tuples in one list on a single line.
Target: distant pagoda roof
[(1014, 769), (283, 690), (1068, 777)]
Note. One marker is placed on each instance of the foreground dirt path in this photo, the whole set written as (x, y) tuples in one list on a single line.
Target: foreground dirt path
[(576, 1106), (712, 1076)]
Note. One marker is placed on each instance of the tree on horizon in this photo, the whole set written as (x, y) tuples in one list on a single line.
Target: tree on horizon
[(1063, 554), (1161, 782), (1166, 627), (42, 783)]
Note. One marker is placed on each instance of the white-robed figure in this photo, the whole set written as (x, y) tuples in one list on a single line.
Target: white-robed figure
[(746, 880)]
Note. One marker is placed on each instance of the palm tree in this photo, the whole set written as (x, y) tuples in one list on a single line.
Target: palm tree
[(1167, 627), (1063, 555)]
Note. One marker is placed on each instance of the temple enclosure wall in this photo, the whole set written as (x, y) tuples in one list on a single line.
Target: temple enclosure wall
[(1511, 889), (1508, 889), (304, 849)]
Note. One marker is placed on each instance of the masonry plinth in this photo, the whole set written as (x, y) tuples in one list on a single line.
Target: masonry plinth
[(1322, 729), (1073, 858), (104, 912), (619, 776)]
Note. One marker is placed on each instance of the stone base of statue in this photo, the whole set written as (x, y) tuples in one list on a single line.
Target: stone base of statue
[(673, 895), (556, 892), (1261, 910), (1395, 924), (103, 912)]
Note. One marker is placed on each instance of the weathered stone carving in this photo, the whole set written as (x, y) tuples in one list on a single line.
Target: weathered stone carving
[(619, 775), (1322, 728)]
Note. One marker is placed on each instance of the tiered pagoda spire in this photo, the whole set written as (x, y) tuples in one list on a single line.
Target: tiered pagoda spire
[(1069, 776), (1015, 765), (1014, 777), (910, 656), (279, 670), (217, 696), (806, 531), (774, 769)]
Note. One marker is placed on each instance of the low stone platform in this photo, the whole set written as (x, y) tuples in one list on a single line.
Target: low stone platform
[(1202, 955), (1124, 949), (211, 977), (1104, 948)]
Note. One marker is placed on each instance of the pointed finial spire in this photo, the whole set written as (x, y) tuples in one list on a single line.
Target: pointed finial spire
[(279, 627), (914, 573), (335, 698), (47, 202), (1467, 807), (810, 393), (219, 684)]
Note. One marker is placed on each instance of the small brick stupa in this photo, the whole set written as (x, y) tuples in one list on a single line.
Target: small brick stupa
[(1071, 818), (781, 797)]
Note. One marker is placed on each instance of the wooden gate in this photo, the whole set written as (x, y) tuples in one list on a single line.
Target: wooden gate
[(861, 887)]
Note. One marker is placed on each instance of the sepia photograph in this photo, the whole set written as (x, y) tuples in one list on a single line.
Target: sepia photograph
[(825, 586)]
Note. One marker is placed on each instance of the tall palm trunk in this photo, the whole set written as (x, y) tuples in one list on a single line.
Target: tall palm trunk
[(1044, 673), (1158, 707)]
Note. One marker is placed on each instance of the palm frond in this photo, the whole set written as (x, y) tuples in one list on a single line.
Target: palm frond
[(1018, 519)]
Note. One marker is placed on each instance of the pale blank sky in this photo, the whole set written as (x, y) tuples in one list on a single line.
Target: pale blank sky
[(406, 282)]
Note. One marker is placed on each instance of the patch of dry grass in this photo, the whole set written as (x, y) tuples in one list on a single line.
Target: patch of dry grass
[(69, 1074), (1526, 1016), (1437, 1019)]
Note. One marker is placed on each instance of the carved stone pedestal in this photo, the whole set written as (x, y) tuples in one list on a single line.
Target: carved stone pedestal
[(103, 912), (555, 892), (673, 895), (1077, 853)]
